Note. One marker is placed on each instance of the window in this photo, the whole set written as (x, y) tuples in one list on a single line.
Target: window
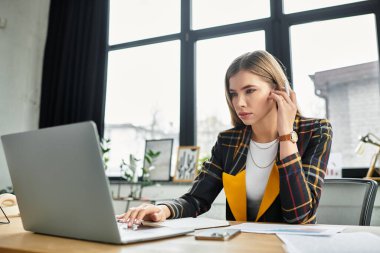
[(336, 74), (213, 58), (291, 6), (142, 99), (222, 12), (161, 50), (135, 19)]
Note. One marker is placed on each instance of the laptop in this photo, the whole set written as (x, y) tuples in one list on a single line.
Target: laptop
[(62, 189)]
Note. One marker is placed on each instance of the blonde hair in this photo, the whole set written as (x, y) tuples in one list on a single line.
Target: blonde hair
[(260, 63)]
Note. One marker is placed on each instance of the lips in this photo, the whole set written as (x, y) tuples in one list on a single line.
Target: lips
[(244, 115)]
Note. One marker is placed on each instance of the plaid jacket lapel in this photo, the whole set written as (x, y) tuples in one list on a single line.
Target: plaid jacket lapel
[(238, 157)]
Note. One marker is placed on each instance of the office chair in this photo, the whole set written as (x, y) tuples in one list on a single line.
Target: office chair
[(347, 202)]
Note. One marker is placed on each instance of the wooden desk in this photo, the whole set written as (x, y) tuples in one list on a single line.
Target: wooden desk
[(13, 238)]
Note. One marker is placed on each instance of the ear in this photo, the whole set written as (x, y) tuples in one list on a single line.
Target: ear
[(271, 100)]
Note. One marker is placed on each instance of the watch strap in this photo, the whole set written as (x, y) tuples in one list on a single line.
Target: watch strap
[(285, 137), (293, 137)]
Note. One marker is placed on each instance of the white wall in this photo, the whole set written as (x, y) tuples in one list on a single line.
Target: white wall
[(22, 44)]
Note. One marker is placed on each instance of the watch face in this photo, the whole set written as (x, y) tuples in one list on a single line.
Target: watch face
[(294, 137)]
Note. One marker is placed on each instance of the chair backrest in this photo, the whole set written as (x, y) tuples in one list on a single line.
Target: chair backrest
[(347, 201)]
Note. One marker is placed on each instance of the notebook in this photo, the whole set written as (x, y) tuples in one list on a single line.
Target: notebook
[(61, 187)]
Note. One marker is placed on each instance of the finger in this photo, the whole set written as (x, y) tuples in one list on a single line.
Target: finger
[(289, 100), (127, 215), (293, 97), (120, 216), (124, 217), (284, 95), (140, 216), (279, 99), (133, 216)]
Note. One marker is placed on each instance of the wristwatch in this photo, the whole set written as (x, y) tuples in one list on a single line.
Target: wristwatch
[(293, 137)]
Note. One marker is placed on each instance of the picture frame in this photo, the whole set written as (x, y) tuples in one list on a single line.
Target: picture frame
[(162, 164), (187, 163)]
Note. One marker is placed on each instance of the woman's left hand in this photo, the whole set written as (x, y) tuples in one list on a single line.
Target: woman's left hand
[(287, 109)]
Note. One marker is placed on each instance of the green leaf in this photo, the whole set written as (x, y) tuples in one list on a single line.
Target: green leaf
[(148, 159)]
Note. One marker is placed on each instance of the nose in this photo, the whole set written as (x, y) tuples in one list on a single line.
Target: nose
[(240, 101)]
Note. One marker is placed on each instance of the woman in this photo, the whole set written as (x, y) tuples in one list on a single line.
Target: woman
[(268, 174)]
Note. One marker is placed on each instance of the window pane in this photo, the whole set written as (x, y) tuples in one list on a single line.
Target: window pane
[(213, 58), (142, 98), (135, 19), (338, 61), (222, 12), (291, 6)]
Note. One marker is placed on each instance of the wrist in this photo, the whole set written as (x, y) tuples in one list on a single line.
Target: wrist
[(287, 148), (165, 210), (292, 137), (284, 131)]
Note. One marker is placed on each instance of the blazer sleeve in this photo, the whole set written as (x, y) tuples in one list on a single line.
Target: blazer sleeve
[(301, 178), (205, 188)]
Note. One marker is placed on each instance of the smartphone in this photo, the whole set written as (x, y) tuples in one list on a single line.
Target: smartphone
[(217, 234)]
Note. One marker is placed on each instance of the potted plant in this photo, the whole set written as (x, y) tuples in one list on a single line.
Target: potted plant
[(149, 157), (105, 148), (130, 173)]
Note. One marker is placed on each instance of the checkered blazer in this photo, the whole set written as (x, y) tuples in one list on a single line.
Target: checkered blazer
[(300, 175)]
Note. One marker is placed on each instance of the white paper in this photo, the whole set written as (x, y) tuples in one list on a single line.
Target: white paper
[(363, 242), (194, 223), (267, 228)]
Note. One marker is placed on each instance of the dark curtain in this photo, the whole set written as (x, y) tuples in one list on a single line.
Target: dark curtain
[(73, 79)]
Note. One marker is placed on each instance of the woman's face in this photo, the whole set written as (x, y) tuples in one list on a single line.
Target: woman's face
[(249, 95)]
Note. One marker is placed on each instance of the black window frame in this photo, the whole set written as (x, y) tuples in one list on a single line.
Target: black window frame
[(277, 40)]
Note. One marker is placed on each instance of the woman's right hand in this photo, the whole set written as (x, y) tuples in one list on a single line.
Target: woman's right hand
[(148, 212)]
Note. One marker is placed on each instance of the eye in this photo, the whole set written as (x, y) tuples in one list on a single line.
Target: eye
[(248, 91), (232, 94)]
